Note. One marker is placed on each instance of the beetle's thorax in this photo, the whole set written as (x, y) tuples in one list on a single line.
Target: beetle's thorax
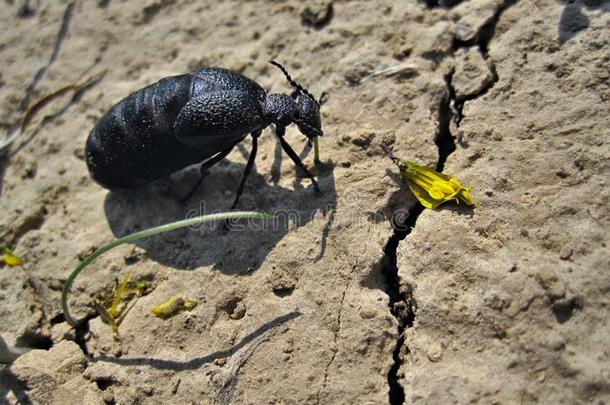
[(280, 109)]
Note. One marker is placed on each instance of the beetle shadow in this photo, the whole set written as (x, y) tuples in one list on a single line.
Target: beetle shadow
[(278, 154), (573, 20), (9, 383), (238, 250)]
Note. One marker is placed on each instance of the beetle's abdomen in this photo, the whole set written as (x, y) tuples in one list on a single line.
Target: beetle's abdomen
[(134, 142)]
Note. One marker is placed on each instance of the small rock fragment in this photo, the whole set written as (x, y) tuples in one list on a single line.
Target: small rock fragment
[(436, 40), (135, 255), (471, 16), (497, 301), (435, 352), (472, 74), (108, 397), (565, 253), (367, 313), (62, 331), (317, 13), (239, 311), (554, 287), (232, 304), (56, 375), (282, 282), (355, 72)]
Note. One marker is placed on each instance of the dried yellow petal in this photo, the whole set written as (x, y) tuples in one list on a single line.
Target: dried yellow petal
[(113, 308), (173, 306), (118, 296), (8, 257), (430, 187)]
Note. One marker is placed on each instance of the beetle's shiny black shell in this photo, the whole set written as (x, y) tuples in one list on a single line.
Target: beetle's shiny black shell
[(171, 124)]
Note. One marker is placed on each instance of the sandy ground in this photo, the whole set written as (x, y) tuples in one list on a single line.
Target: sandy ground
[(506, 302)]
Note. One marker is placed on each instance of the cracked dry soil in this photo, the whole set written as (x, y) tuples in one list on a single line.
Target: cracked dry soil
[(365, 297)]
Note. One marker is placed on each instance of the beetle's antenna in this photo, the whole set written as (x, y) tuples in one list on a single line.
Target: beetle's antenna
[(293, 83)]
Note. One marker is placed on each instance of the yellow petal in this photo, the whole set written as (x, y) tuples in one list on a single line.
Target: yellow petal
[(9, 257), (455, 184), (446, 188), (432, 188), (173, 305), (422, 196), (411, 173), (436, 193), (118, 295)]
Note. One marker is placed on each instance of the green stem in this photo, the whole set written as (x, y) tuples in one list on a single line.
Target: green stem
[(143, 234), (316, 150)]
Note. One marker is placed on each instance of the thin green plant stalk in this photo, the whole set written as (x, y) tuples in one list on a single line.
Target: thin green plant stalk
[(143, 234), (316, 150)]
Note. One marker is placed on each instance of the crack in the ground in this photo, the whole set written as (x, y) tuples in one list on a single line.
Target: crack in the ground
[(335, 350), (441, 3), (488, 30), (81, 333), (481, 40), (29, 93), (402, 305), (452, 110), (14, 130), (445, 142), (336, 337)]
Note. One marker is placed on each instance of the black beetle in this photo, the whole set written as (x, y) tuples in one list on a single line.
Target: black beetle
[(195, 117)]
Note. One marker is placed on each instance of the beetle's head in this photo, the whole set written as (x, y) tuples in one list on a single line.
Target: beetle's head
[(308, 119), (307, 114)]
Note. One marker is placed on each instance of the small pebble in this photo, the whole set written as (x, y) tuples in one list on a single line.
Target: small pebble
[(435, 352), (565, 253)]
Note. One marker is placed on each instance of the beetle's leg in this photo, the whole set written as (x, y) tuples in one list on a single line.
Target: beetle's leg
[(248, 168), (280, 131), (204, 166)]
